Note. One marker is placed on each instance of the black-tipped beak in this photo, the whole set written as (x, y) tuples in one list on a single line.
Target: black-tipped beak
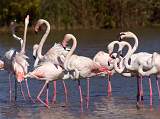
[(119, 53), (34, 57), (120, 39)]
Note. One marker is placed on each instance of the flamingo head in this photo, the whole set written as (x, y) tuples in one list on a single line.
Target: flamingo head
[(38, 25), (10, 54), (27, 20), (13, 24), (112, 57), (1, 64), (35, 48), (67, 38), (127, 34)]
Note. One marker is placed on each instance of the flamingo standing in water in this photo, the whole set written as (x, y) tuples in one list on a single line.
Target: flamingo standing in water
[(19, 62), (9, 57), (83, 67), (56, 54), (106, 60), (137, 60), (155, 69)]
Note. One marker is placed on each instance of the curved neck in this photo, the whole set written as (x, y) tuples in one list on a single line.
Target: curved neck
[(39, 51), (71, 51), (14, 35), (24, 39), (111, 46), (118, 65), (130, 53)]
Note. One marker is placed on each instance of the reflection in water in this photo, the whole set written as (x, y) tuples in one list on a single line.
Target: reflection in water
[(122, 103)]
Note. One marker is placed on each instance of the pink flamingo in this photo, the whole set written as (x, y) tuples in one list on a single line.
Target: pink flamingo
[(55, 54), (137, 60), (106, 60), (20, 64), (83, 67)]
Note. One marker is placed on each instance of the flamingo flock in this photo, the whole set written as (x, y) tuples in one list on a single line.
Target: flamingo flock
[(61, 63)]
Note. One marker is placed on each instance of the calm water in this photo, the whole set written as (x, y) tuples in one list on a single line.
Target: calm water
[(122, 103)]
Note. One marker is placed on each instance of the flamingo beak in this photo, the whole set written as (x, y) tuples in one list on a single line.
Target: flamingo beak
[(34, 57), (120, 39)]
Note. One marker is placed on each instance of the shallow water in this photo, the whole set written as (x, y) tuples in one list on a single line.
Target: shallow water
[(122, 103)]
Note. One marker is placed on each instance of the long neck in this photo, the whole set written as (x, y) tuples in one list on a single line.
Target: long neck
[(15, 36), (118, 65), (24, 39), (111, 46), (70, 52), (39, 51), (130, 53)]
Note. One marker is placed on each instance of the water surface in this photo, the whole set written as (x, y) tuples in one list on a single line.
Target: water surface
[(122, 103)]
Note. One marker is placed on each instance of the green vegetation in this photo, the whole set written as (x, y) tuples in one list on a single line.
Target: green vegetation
[(72, 14)]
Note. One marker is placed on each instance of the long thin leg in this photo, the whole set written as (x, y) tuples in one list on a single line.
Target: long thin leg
[(109, 86), (150, 89), (88, 90), (81, 97), (38, 97), (65, 91), (138, 91), (10, 88), (15, 83), (28, 91), (141, 88), (47, 94), (54, 92), (22, 91), (158, 87)]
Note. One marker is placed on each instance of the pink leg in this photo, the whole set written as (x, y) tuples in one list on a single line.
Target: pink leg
[(22, 91), (150, 89), (10, 88), (29, 95), (65, 91), (109, 86), (47, 94), (81, 97), (88, 90), (38, 97), (158, 87), (54, 93)]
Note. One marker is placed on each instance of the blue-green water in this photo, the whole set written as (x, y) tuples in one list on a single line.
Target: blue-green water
[(122, 103)]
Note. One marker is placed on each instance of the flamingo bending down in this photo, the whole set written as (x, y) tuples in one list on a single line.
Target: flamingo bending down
[(82, 66), (106, 60), (154, 63), (56, 54)]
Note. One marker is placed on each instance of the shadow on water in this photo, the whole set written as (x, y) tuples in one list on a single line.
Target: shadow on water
[(122, 103)]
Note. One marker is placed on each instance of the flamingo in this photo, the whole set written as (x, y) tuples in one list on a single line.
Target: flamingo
[(136, 60), (106, 60), (56, 54), (154, 70), (8, 59), (83, 67), (20, 64)]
